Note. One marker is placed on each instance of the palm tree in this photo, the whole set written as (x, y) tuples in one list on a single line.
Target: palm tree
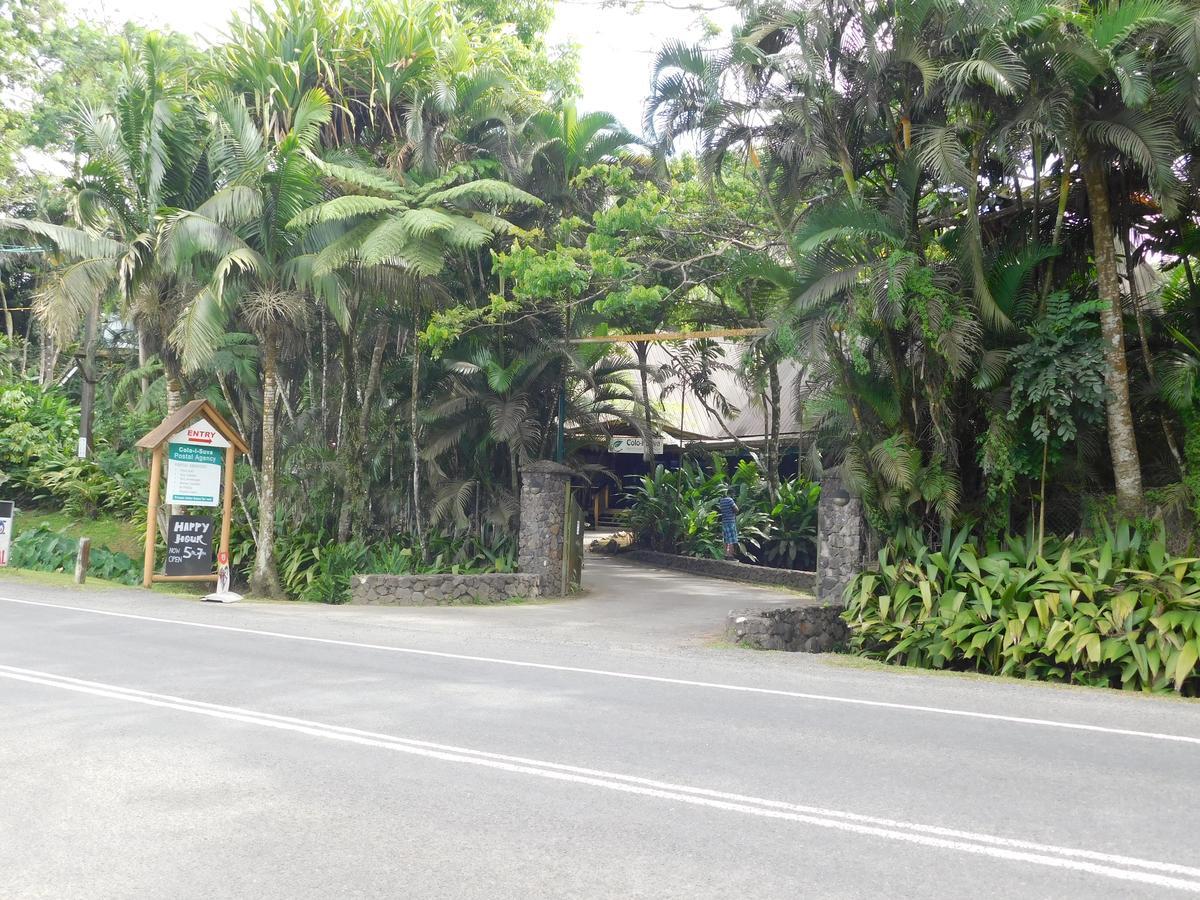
[(144, 156), (564, 143), (493, 403), (505, 394), (382, 223), (1113, 85), (254, 265)]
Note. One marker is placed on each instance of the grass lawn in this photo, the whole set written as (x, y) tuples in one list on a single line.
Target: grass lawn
[(114, 534), (66, 581)]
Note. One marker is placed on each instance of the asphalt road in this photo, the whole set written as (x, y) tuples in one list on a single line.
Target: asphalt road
[(157, 747)]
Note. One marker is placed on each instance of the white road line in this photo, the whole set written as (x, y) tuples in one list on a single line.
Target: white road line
[(631, 676), (69, 682), (1123, 868)]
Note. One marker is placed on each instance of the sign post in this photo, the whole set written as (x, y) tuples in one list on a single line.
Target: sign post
[(6, 527), (196, 444)]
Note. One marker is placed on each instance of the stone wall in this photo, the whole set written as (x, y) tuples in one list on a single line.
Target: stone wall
[(441, 590), (540, 544), (724, 568), (807, 629), (842, 539)]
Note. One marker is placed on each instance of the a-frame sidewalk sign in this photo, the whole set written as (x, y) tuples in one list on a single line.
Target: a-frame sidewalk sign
[(194, 439)]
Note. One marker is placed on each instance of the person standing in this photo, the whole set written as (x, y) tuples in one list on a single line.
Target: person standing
[(729, 511)]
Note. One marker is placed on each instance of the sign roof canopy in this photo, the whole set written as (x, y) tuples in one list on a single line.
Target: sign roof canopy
[(174, 428)]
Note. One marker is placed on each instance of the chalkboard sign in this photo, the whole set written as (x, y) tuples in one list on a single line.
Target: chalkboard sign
[(189, 545)]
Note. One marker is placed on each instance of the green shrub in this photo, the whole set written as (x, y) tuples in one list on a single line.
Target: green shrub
[(33, 424), (792, 542), (326, 578), (108, 481), (44, 550), (675, 511), (1121, 613), (314, 566)]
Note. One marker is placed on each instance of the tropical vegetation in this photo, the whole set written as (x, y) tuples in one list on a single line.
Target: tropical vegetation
[(675, 511), (1118, 612), (374, 234)]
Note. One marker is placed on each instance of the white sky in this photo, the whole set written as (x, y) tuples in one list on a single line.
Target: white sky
[(617, 43)]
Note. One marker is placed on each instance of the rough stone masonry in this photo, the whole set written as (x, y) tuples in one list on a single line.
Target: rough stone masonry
[(541, 545), (441, 590), (842, 540), (809, 629)]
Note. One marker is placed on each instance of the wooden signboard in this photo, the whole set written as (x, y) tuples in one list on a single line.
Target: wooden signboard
[(202, 448)]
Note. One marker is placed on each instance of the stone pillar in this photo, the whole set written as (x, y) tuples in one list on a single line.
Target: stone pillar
[(541, 544), (842, 539)]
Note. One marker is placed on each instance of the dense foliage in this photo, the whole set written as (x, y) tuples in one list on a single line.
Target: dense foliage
[(1121, 612), (368, 233), (675, 511), (38, 462), (44, 550)]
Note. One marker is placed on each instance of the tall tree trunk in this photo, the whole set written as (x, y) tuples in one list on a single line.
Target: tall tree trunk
[(88, 376), (1035, 146), (25, 344), (8, 319), (1122, 440), (414, 438), (1064, 194), (324, 389), (1135, 297), (776, 397), (174, 394), (265, 579), (49, 361), (643, 355), (1193, 294), (356, 487), (143, 358), (345, 450)]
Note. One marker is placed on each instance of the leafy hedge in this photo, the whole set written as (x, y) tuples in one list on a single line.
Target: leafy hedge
[(313, 566), (33, 424), (675, 511), (1121, 613), (44, 550), (38, 462)]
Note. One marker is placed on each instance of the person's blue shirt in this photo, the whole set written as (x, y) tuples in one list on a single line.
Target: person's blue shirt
[(728, 509)]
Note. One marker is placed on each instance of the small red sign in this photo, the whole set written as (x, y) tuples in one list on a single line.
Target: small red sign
[(222, 558)]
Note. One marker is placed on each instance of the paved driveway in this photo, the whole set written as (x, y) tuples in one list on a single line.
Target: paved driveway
[(623, 604)]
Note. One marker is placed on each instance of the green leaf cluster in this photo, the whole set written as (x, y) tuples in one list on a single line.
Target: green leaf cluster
[(675, 511), (1119, 611)]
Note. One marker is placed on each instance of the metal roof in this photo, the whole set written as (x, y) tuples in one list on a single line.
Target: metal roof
[(687, 419)]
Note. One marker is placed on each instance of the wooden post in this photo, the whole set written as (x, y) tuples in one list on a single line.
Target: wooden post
[(151, 517), (82, 557), (227, 501)]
